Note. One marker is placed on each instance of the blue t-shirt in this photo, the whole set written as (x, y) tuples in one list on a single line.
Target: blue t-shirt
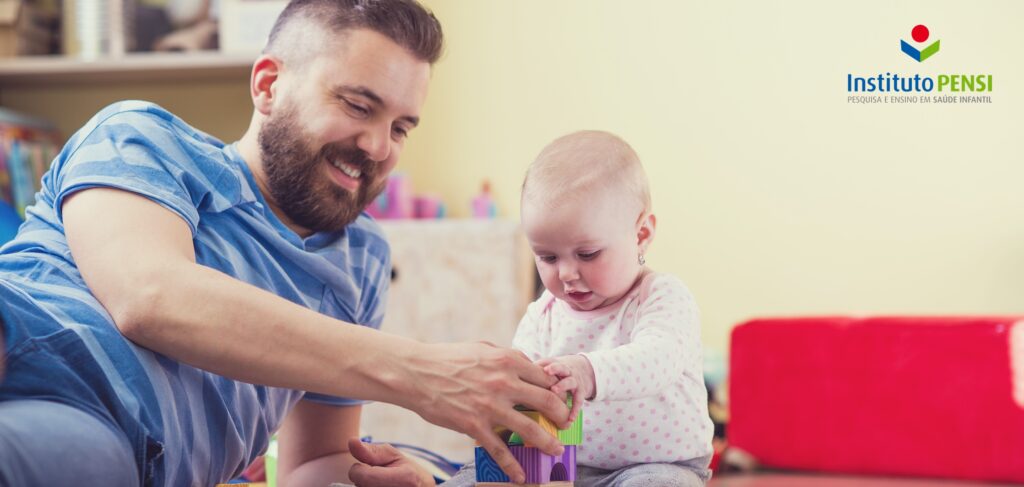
[(188, 426)]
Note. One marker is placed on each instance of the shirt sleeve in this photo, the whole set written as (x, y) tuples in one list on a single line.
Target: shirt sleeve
[(142, 152), (664, 345), (531, 332)]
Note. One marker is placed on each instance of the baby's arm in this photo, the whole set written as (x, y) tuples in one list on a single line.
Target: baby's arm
[(664, 345), (576, 377), (575, 372)]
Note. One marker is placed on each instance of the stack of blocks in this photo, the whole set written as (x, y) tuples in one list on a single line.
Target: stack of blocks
[(541, 469)]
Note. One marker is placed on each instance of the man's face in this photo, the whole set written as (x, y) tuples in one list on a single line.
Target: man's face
[(337, 128)]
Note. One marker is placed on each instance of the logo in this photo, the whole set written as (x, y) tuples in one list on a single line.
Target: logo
[(920, 35), (887, 86)]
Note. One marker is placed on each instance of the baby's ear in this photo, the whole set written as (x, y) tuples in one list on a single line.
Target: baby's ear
[(645, 230)]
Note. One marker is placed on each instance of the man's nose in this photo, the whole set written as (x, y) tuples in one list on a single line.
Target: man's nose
[(375, 141)]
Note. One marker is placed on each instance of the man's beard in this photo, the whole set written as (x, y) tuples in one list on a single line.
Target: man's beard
[(300, 185)]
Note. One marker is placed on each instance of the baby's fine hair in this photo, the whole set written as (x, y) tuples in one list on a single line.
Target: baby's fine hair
[(585, 163)]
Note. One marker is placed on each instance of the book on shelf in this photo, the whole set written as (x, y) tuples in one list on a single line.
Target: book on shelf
[(27, 147)]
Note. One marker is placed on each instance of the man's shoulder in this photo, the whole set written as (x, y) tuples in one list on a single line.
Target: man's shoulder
[(147, 148)]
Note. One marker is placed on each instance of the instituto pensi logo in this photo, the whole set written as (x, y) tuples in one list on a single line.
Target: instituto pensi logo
[(920, 35), (948, 86)]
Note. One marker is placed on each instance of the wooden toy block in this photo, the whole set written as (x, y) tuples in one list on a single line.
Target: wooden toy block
[(513, 438), (539, 467), (573, 435), (487, 470)]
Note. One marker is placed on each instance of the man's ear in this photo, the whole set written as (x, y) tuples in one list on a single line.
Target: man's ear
[(645, 230), (263, 82)]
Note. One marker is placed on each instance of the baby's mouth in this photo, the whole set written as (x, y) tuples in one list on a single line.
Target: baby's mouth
[(578, 295)]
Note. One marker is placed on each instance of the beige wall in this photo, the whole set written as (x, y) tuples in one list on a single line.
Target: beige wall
[(774, 196)]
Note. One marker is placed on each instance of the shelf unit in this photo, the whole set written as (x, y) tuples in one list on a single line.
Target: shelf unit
[(205, 88), (163, 66)]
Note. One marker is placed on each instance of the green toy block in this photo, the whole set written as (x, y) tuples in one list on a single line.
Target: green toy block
[(573, 435)]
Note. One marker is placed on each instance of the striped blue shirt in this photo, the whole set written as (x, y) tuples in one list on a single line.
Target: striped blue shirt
[(188, 426)]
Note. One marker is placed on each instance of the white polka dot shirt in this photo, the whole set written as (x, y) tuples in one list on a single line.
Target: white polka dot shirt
[(650, 403)]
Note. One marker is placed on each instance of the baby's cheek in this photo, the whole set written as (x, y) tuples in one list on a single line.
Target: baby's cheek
[(617, 283)]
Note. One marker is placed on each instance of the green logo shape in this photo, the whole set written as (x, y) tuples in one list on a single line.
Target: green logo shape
[(922, 54)]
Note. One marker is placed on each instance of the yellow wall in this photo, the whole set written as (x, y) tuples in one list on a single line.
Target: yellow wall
[(774, 196)]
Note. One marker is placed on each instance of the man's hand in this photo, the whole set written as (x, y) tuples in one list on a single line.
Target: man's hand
[(575, 375), (471, 388), (384, 466)]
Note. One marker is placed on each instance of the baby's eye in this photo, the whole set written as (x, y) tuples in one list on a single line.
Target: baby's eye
[(588, 255), (546, 258)]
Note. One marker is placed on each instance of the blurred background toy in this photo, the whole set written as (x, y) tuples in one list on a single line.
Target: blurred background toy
[(483, 204)]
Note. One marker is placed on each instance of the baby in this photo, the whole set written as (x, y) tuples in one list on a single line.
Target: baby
[(618, 335)]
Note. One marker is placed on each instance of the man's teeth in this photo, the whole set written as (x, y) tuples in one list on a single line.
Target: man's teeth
[(352, 172)]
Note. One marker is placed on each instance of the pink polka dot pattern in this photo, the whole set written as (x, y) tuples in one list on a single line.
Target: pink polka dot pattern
[(646, 354)]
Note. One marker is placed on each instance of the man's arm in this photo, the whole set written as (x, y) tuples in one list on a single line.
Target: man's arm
[(138, 259), (313, 444)]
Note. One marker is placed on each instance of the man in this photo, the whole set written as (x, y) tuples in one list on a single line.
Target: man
[(161, 276)]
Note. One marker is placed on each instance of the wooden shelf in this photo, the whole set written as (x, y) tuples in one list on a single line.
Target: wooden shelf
[(58, 70)]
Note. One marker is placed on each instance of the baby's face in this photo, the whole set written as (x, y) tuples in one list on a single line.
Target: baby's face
[(586, 250)]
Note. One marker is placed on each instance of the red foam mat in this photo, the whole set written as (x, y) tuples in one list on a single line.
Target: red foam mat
[(929, 397)]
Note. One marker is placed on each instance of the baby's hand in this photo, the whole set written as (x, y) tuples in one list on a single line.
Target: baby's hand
[(575, 375)]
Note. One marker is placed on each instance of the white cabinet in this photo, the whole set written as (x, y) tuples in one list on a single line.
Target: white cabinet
[(456, 281)]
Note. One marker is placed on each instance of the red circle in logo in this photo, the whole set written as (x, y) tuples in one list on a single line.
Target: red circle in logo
[(920, 33)]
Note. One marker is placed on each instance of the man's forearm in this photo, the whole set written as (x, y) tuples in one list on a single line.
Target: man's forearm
[(212, 321)]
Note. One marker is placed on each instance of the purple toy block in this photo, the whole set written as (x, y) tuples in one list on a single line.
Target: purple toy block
[(542, 468)]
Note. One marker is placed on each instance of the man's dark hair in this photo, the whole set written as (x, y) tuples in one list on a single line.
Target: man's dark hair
[(405, 22)]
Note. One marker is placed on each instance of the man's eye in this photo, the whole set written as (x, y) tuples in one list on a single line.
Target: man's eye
[(400, 132), (588, 255), (359, 109)]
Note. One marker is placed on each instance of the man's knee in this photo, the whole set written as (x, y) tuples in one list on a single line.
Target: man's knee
[(47, 443)]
